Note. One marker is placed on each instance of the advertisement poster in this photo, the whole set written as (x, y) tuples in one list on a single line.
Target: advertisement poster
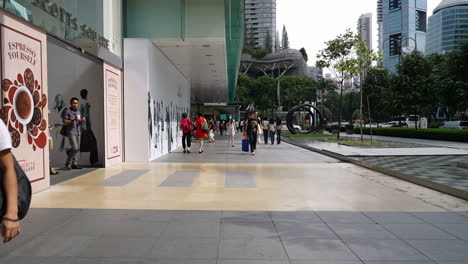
[(24, 97), (113, 101)]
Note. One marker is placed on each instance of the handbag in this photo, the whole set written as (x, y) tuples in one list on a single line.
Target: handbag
[(63, 131), (204, 127), (24, 192)]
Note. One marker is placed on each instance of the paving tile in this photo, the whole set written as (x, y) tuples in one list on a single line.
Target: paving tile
[(364, 231), (325, 262), (384, 250), (37, 260), (107, 247), (304, 230), (130, 229), (181, 178), (252, 249), (441, 217), (400, 262), (458, 230), (417, 231), (55, 246), (252, 261), (295, 216), (317, 249), (345, 217), (92, 227), (192, 229), (393, 217), (442, 250), (252, 230), (239, 179), (185, 248), (245, 216), (123, 178), (195, 216)]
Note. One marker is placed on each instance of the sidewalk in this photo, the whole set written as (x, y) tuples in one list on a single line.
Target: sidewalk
[(429, 163)]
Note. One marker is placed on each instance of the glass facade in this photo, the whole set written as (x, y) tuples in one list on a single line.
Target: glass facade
[(403, 28), (87, 24), (447, 28), (260, 20)]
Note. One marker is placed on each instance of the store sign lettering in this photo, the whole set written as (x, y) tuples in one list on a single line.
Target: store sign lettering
[(20, 51), (68, 19)]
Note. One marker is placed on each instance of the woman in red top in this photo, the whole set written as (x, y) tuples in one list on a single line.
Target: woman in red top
[(187, 127), (200, 134)]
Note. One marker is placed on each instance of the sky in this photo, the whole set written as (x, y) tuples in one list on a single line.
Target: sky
[(310, 23)]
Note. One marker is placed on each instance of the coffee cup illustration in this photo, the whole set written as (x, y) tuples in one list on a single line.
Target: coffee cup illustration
[(23, 105)]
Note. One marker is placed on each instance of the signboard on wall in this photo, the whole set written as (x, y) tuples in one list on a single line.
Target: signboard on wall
[(24, 96), (113, 114)]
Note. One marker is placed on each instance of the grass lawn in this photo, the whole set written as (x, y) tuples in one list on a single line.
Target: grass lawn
[(362, 143), (287, 134)]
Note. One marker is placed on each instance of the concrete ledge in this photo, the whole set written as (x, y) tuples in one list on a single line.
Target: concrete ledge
[(410, 178)]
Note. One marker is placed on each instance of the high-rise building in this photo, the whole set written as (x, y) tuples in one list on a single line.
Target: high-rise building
[(448, 26), (380, 25), (404, 26), (364, 29), (316, 73), (260, 22)]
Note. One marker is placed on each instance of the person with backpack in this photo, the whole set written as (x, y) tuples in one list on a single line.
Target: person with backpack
[(187, 127), (251, 129), (202, 130), (279, 129)]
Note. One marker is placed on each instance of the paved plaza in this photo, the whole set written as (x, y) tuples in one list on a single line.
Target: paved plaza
[(283, 205)]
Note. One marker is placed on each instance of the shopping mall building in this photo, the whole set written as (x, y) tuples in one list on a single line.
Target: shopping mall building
[(135, 66)]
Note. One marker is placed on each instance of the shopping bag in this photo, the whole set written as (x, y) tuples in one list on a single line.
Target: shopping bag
[(245, 145)]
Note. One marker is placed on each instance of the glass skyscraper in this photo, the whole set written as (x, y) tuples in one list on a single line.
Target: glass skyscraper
[(448, 26), (404, 26), (260, 21), (365, 29)]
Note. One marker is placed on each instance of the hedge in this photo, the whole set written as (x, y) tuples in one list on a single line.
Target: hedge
[(458, 135)]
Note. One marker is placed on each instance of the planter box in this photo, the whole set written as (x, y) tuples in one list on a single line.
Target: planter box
[(335, 131), (349, 131)]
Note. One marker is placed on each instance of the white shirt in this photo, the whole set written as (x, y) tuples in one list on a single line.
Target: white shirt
[(265, 124), (272, 127), (5, 137)]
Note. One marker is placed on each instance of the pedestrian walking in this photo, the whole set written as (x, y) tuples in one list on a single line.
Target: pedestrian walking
[(251, 130), (72, 122), (211, 134), (265, 126), (10, 225), (259, 129), (279, 129), (222, 127), (202, 129), (231, 130), (272, 130), (187, 127)]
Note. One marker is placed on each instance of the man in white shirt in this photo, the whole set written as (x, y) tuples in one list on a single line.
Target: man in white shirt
[(10, 226), (265, 130)]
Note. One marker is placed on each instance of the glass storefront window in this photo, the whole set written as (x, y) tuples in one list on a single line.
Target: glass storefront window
[(81, 22)]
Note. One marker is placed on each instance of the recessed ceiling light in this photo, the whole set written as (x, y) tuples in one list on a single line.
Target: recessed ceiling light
[(212, 64), (208, 55), (206, 46), (213, 70)]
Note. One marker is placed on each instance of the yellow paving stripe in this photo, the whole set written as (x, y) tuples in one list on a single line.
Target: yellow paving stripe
[(279, 187)]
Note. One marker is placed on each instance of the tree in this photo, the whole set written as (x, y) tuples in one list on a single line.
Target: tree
[(416, 84), (268, 42), (337, 56), (277, 42), (304, 54), (285, 39), (362, 62), (377, 83)]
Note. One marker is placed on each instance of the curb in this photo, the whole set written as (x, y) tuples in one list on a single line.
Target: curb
[(413, 179)]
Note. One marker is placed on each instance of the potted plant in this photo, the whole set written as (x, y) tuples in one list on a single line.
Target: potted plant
[(349, 129), (335, 129)]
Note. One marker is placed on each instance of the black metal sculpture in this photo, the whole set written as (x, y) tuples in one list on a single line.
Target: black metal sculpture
[(313, 118)]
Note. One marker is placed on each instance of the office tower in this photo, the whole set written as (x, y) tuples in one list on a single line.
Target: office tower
[(260, 22), (380, 25), (365, 29), (404, 25), (448, 26)]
